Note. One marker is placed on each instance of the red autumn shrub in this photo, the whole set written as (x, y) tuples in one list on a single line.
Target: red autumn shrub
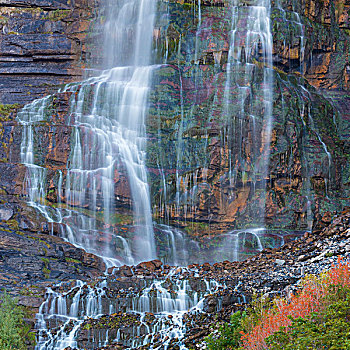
[(311, 298)]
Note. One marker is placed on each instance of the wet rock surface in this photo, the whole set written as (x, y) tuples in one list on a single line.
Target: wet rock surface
[(309, 168), (45, 43), (297, 161), (32, 259)]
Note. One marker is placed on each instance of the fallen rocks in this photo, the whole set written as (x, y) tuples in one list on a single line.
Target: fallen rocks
[(38, 258), (149, 266)]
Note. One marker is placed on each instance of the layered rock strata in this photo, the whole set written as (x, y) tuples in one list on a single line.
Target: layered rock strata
[(43, 44), (200, 167)]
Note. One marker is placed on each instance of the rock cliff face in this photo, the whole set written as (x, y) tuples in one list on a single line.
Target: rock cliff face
[(309, 168), (43, 44), (200, 162)]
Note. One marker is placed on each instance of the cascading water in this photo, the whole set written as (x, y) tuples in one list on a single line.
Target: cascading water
[(36, 174), (237, 90), (292, 27), (68, 309), (107, 133)]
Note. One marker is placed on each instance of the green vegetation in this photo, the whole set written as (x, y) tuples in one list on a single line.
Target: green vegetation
[(58, 15), (194, 228), (45, 261), (6, 110), (14, 333), (328, 329), (228, 336), (46, 272), (30, 291), (75, 261), (13, 224)]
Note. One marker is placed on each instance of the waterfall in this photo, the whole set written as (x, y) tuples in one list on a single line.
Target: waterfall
[(248, 112), (108, 133), (108, 115), (236, 88), (107, 123)]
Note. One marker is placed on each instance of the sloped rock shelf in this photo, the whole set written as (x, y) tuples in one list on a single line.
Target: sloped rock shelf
[(149, 311)]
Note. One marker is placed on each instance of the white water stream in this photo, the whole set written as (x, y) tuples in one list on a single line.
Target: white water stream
[(250, 46)]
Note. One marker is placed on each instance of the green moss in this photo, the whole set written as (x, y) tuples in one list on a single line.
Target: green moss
[(46, 272), (197, 227), (13, 224), (347, 31), (29, 291), (116, 219), (87, 326), (46, 269), (32, 10), (44, 250), (35, 239), (6, 110), (75, 261), (58, 15), (43, 242), (45, 261)]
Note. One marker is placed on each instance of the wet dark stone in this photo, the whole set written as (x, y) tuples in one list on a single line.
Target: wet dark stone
[(210, 304), (28, 258)]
